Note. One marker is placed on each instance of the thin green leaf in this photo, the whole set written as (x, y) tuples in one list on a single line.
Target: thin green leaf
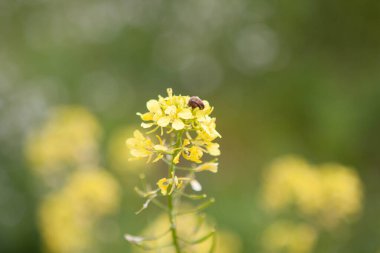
[(200, 240), (198, 208), (213, 245)]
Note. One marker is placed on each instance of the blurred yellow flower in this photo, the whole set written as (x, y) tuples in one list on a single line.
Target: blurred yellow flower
[(189, 227), (342, 194), (67, 218), (68, 138), (139, 145), (61, 228), (93, 189), (331, 194), (118, 153), (287, 237), (292, 180)]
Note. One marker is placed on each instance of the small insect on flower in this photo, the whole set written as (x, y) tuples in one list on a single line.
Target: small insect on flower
[(195, 102)]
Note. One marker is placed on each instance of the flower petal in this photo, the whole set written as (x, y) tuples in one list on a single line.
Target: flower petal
[(171, 110), (163, 184), (213, 167), (153, 105), (185, 114), (163, 121), (178, 124), (213, 149), (146, 125), (146, 116)]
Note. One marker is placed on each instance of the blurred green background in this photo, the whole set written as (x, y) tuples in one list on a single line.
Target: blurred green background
[(285, 77)]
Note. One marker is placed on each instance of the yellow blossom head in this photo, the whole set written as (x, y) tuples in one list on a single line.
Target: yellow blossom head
[(289, 237), (330, 193), (139, 145), (176, 115), (68, 138), (119, 156), (68, 218)]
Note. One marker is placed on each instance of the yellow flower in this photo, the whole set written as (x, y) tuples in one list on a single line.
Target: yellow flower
[(163, 184), (139, 145), (154, 108), (68, 218), (342, 194), (213, 148), (118, 154), (207, 130), (68, 138), (177, 113), (213, 167), (331, 194), (168, 185), (174, 111), (284, 236), (164, 111), (193, 154)]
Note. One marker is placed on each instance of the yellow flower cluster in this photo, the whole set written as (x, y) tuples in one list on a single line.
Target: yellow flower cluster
[(68, 138), (118, 154), (288, 237), (176, 114), (64, 152), (227, 241), (67, 218), (330, 193), (186, 130)]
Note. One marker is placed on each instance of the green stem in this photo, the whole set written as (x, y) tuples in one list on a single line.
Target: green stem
[(173, 227), (172, 218)]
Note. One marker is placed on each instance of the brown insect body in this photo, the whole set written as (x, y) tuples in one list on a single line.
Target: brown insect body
[(195, 102)]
